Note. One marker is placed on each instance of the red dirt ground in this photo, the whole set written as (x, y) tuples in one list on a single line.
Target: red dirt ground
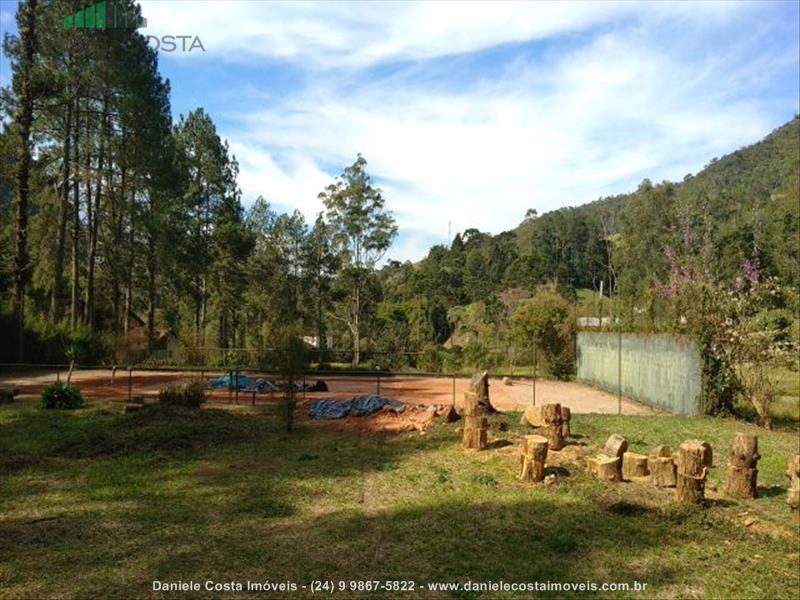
[(427, 391)]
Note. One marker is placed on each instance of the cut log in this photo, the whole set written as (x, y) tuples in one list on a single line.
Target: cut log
[(708, 453), (691, 473), (660, 452), (744, 451), (742, 475), (662, 471), (616, 445), (533, 416), (566, 416), (634, 465), (741, 482), (475, 432), (532, 458), (472, 407), (604, 467), (479, 385), (553, 431), (793, 473)]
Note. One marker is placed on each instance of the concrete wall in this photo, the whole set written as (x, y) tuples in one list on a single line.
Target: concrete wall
[(659, 369)]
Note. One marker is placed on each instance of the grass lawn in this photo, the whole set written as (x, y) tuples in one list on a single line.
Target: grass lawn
[(99, 504)]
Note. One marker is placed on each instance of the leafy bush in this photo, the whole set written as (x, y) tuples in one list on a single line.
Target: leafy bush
[(192, 394), (430, 359), (547, 318), (61, 396), (452, 359)]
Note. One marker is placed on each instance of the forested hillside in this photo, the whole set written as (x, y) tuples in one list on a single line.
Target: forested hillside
[(125, 237)]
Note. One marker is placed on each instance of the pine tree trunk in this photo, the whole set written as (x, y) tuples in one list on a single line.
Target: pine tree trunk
[(532, 458), (89, 207), (94, 222), (742, 474), (357, 325), (24, 119), (61, 231), (76, 218), (691, 473)]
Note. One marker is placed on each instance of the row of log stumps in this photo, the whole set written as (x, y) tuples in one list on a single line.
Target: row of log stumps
[(686, 469)]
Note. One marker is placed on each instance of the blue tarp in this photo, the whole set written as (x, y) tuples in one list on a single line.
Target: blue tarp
[(357, 407), (243, 382)]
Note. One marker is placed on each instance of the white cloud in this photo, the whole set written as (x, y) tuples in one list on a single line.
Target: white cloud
[(363, 33), (634, 91)]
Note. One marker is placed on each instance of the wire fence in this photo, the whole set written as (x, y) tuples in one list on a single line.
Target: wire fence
[(256, 386)]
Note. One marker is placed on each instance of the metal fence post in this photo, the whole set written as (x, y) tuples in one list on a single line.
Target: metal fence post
[(534, 370), (619, 369), (130, 383)]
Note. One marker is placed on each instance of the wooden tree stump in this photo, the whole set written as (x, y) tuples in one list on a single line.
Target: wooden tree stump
[(604, 467), (479, 385), (566, 416), (475, 432), (551, 415), (634, 465), (661, 465), (532, 458), (691, 473), (471, 407), (616, 445), (742, 474), (708, 453), (532, 416), (662, 471), (793, 473)]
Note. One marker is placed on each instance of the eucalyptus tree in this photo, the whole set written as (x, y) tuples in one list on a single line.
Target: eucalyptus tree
[(362, 230)]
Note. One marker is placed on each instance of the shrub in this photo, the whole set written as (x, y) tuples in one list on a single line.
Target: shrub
[(452, 359), (429, 359), (61, 396), (191, 394), (547, 318)]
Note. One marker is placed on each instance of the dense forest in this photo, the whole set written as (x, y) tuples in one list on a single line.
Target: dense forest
[(125, 238)]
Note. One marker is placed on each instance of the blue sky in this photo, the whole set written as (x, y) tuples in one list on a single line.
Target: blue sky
[(472, 113)]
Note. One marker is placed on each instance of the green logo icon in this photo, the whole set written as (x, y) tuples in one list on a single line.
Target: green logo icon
[(106, 15)]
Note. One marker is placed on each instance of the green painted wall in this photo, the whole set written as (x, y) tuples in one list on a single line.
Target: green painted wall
[(659, 369)]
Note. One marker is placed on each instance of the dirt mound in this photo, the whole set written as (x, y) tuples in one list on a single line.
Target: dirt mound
[(413, 418)]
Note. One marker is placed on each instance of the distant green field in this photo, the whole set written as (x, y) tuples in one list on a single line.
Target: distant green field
[(94, 503)]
